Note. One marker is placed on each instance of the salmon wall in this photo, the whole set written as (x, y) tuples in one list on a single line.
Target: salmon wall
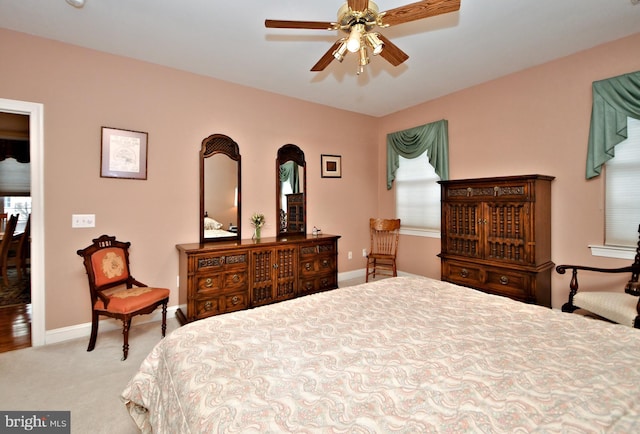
[(533, 121), (83, 90)]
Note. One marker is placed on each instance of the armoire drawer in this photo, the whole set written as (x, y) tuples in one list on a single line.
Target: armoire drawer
[(462, 273)]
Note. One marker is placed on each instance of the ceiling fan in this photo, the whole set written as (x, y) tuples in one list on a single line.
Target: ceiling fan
[(358, 18)]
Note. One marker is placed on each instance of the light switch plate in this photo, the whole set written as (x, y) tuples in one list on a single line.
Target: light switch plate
[(83, 220)]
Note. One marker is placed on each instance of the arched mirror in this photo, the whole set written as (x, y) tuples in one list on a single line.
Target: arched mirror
[(291, 191), (219, 189)]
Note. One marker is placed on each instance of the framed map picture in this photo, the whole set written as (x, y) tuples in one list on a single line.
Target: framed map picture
[(124, 154)]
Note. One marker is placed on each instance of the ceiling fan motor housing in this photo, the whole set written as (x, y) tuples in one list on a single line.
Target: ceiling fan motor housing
[(348, 17)]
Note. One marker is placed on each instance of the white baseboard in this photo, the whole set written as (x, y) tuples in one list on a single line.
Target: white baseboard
[(107, 324), (354, 274)]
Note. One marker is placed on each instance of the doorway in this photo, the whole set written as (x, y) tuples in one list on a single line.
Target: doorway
[(36, 147), (15, 201)]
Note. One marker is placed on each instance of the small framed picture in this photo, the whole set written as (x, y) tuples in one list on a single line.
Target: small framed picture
[(331, 166), (124, 154)]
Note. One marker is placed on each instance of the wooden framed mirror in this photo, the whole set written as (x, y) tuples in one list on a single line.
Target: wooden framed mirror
[(219, 189), (291, 191)]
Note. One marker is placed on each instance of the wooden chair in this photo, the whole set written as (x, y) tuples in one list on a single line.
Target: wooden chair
[(622, 307), (381, 259), (18, 253), (7, 240), (114, 292)]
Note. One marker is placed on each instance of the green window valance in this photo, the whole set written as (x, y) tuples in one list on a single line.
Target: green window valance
[(614, 100), (411, 143), (289, 172)]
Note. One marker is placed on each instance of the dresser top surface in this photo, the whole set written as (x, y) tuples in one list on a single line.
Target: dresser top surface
[(265, 242)]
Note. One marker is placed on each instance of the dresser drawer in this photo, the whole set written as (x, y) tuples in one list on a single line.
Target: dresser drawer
[(312, 266), (220, 261), (314, 249), (206, 307), (317, 284), (236, 279)]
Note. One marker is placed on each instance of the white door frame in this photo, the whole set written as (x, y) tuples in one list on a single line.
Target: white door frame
[(35, 111)]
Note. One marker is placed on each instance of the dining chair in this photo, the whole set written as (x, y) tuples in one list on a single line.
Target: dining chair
[(22, 253), (381, 260), (114, 291), (7, 240)]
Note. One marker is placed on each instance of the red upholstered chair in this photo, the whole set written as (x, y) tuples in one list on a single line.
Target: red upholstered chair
[(114, 292), (381, 259)]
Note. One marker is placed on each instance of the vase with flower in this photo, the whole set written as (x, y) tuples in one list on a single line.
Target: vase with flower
[(257, 220)]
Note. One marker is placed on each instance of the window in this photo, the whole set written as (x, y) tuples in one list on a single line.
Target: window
[(622, 192), (20, 205), (418, 196)]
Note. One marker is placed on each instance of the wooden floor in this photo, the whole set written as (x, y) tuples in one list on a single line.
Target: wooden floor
[(15, 327)]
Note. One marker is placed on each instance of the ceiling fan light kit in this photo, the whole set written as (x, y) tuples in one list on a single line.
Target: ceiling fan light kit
[(358, 18), (76, 3)]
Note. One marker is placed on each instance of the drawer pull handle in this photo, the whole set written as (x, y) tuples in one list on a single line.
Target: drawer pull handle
[(308, 286), (208, 306), (208, 282), (464, 272), (236, 278), (325, 263), (307, 266), (504, 280), (235, 300)]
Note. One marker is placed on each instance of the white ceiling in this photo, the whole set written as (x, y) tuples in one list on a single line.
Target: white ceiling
[(226, 39)]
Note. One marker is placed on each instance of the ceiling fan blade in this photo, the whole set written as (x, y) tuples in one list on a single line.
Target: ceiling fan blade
[(391, 53), (419, 10), (358, 5), (326, 59), (314, 25)]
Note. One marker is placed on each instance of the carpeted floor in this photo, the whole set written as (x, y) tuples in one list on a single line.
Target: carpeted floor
[(65, 376), (18, 291)]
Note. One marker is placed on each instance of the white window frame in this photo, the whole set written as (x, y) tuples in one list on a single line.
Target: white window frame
[(622, 180), (427, 176)]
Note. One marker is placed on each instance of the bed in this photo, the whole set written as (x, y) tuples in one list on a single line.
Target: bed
[(405, 354), (214, 229)]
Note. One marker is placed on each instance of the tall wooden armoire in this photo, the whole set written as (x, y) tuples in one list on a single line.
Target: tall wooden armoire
[(496, 235)]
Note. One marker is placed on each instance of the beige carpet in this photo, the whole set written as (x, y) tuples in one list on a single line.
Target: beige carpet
[(65, 376)]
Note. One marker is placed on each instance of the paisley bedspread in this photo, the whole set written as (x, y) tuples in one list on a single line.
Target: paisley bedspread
[(406, 355)]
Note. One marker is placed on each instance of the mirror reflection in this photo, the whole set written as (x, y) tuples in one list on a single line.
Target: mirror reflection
[(291, 185), (219, 189)]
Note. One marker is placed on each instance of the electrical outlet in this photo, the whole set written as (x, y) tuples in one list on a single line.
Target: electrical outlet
[(83, 220), (364, 253), (350, 255)]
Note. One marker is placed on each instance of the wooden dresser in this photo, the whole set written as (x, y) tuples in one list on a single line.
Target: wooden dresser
[(496, 236), (216, 278)]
